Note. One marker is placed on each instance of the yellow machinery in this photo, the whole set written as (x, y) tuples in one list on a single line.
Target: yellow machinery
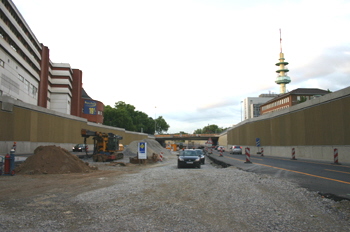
[(106, 145)]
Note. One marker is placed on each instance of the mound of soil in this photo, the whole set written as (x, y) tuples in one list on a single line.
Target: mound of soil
[(53, 160)]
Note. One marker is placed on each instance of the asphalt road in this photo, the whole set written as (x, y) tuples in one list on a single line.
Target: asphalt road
[(329, 179)]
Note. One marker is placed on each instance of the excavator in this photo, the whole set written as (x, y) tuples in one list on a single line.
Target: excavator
[(106, 145)]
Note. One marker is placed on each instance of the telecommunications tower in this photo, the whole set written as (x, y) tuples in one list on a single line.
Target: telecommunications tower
[(282, 78)]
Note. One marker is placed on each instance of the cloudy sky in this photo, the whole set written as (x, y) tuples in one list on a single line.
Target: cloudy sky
[(194, 61)]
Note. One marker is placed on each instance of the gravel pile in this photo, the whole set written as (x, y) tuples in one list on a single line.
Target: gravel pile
[(152, 147), (164, 198)]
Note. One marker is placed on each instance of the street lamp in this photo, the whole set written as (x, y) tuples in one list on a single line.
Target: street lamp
[(155, 122), (241, 110)]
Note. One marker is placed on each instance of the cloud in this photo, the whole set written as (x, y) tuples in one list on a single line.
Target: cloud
[(330, 69)]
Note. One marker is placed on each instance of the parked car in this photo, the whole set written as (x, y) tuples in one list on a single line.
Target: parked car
[(236, 150), (80, 147), (200, 153), (221, 148), (188, 157)]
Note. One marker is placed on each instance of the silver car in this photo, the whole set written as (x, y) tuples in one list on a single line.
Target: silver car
[(236, 150)]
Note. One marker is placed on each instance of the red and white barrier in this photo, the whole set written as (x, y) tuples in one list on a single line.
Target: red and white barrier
[(336, 156), (247, 155), (293, 154)]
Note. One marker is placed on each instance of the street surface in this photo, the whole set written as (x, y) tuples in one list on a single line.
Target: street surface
[(329, 179)]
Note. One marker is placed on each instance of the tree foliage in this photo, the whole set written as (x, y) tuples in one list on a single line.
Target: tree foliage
[(161, 125), (210, 129), (125, 116)]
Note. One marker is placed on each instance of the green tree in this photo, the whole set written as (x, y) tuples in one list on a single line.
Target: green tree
[(161, 125), (117, 117), (125, 116), (210, 129)]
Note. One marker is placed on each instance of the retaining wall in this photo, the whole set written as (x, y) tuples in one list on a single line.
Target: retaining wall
[(314, 128), (32, 126)]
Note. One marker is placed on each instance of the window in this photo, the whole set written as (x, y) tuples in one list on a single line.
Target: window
[(26, 85), (20, 77), (33, 91), (2, 63)]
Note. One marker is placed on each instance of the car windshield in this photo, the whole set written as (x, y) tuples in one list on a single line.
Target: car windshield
[(199, 152), (189, 153)]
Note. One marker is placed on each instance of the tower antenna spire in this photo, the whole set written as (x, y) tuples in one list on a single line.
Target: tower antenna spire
[(282, 78), (280, 40)]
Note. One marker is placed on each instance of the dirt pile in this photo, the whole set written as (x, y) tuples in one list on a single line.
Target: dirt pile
[(53, 160)]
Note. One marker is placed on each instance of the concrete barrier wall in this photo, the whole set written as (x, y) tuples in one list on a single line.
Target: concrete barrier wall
[(32, 126), (314, 128), (323, 153)]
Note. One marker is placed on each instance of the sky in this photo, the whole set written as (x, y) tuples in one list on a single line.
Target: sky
[(193, 61)]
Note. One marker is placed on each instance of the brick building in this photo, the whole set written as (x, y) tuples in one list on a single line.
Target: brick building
[(289, 99)]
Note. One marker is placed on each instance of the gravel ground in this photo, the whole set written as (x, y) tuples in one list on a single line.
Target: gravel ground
[(160, 197)]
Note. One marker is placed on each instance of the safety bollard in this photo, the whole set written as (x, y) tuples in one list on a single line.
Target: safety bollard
[(336, 156), (247, 155), (262, 152), (293, 154)]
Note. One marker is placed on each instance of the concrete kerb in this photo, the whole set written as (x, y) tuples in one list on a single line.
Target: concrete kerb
[(218, 162)]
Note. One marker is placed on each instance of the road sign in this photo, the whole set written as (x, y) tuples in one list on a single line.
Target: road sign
[(142, 150), (257, 141), (210, 141)]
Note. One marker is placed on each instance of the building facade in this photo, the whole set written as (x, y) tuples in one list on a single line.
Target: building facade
[(251, 105), (27, 73), (289, 99)]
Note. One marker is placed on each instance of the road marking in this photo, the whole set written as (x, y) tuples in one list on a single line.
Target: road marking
[(337, 171), (303, 173), (304, 161)]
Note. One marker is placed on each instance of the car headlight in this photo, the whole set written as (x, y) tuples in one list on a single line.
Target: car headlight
[(198, 158), (73, 148), (181, 158)]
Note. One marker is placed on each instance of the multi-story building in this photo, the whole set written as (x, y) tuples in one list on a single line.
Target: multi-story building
[(27, 73), (289, 99), (251, 105)]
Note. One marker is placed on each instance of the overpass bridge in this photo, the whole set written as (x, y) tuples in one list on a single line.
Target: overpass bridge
[(162, 138)]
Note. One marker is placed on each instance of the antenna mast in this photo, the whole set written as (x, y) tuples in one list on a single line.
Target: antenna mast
[(280, 40)]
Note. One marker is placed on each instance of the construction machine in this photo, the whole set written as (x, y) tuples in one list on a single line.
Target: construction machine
[(106, 145)]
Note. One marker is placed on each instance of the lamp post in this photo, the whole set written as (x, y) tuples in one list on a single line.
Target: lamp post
[(155, 122), (241, 110)]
